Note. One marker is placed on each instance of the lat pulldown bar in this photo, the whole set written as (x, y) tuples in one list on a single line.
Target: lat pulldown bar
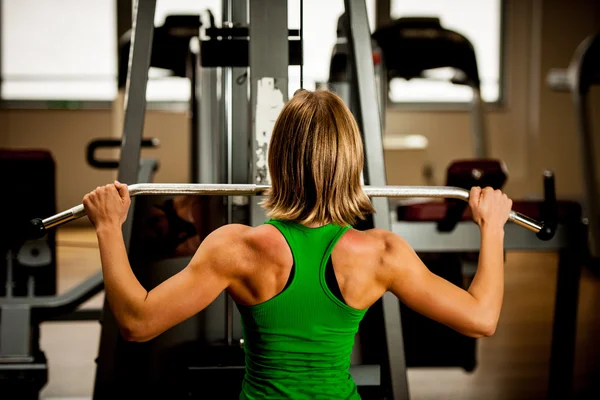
[(545, 230)]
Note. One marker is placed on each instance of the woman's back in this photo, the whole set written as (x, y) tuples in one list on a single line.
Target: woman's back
[(298, 337)]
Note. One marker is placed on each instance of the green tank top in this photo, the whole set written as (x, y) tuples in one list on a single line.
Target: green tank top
[(298, 343)]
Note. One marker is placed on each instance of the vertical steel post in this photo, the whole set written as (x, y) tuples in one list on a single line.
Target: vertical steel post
[(479, 126), (369, 119), (238, 149), (269, 60), (133, 127)]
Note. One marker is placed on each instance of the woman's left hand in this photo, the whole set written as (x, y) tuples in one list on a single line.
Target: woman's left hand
[(108, 205)]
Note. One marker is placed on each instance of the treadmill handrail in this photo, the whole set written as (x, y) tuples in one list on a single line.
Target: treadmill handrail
[(38, 226)]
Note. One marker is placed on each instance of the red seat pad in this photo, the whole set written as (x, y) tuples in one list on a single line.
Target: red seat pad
[(434, 211), (25, 154)]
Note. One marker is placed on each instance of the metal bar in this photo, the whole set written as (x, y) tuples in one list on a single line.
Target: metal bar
[(135, 90), (226, 95), (239, 156), (268, 56), (142, 34), (174, 189), (383, 12), (66, 302), (564, 326), (466, 237), (124, 17), (588, 166), (92, 314), (558, 79), (240, 143), (211, 167), (9, 273), (479, 127), (368, 117), (422, 237), (193, 69), (15, 339), (1, 52)]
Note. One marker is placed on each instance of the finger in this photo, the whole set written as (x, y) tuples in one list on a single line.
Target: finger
[(123, 190), (474, 195)]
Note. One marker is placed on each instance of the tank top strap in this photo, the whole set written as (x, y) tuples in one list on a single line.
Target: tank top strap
[(309, 246)]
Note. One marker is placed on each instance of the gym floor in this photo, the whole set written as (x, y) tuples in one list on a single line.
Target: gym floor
[(513, 364)]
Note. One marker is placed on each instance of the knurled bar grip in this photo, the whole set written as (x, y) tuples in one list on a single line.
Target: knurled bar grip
[(174, 189)]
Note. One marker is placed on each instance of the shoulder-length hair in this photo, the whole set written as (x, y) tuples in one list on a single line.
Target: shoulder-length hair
[(315, 161)]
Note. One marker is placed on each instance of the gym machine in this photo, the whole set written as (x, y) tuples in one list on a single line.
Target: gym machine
[(23, 365), (120, 361), (583, 73), (409, 47), (443, 228)]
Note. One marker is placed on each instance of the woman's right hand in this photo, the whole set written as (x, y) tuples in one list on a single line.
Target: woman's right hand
[(490, 208)]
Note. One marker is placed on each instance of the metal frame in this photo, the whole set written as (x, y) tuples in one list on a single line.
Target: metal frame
[(369, 119), (20, 314), (579, 69), (569, 242), (479, 131), (578, 79), (268, 74), (142, 34), (124, 17), (378, 192), (238, 149)]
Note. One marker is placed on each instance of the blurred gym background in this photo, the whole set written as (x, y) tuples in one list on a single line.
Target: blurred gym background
[(59, 91)]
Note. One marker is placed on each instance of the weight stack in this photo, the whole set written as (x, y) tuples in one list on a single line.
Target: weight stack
[(28, 178)]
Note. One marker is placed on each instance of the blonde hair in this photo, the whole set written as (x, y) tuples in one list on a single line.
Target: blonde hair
[(315, 161)]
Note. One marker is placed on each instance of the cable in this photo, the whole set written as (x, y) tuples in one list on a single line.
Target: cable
[(302, 44)]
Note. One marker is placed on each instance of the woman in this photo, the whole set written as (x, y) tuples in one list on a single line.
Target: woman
[(303, 280)]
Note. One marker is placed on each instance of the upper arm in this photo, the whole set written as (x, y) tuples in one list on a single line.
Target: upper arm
[(427, 293), (210, 272)]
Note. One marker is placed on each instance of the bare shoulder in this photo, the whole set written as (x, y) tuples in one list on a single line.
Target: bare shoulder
[(378, 241), (235, 247), (266, 242), (382, 251)]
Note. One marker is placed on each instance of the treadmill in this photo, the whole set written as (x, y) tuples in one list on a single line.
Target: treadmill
[(413, 45)]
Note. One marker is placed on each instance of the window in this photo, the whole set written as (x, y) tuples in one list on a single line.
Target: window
[(66, 49), (59, 50), (319, 36), (163, 88), (480, 22)]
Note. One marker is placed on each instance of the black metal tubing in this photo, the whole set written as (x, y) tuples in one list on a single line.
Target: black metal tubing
[(238, 32), (235, 53), (564, 326), (85, 314), (108, 143)]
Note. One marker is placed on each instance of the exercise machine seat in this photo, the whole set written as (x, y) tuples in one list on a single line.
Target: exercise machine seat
[(29, 176)]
